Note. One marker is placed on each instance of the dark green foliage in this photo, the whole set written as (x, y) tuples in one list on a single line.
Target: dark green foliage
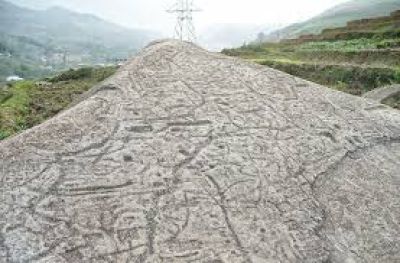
[(397, 76), (5, 94), (3, 135), (73, 74), (97, 74), (361, 34), (375, 58), (354, 80), (389, 44)]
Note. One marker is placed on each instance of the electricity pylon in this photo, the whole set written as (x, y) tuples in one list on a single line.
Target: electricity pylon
[(184, 29)]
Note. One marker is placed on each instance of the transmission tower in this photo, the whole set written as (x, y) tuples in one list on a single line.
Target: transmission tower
[(184, 29)]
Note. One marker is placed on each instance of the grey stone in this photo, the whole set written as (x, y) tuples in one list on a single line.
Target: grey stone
[(190, 156), (383, 93)]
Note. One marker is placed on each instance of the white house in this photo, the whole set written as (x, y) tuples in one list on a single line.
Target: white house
[(13, 78)]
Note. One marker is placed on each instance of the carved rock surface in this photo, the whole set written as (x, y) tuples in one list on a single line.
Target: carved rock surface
[(189, 156)]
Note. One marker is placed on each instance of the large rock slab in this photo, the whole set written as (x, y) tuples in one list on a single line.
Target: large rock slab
[(383, 93), (189, 156)]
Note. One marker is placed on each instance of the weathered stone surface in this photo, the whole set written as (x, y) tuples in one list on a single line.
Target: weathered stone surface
[(384, 93), (189, 156)]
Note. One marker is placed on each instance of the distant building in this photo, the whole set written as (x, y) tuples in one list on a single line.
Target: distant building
[(119, 62), (5, 54), (13, 78)]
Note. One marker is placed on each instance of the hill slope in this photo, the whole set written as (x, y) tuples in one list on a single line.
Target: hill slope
[(25, 104), (336, 17), (185, 155), (356, 58), (56, 36)]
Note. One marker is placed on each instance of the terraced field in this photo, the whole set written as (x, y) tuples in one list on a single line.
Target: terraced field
[(357, 58)]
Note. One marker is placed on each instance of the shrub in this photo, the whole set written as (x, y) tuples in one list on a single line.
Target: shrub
[(4, 95), (351, 79), (3, 135), (73, 74), (397, 76)]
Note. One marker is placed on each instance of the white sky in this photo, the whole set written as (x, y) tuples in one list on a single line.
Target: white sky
[(150, 14)]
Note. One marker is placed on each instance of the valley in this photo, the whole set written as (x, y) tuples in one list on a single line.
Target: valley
[(39, 43)]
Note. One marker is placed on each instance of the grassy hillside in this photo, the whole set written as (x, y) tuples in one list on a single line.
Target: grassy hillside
[(357, 58), (336, 17), (36, 42), (25, 104)]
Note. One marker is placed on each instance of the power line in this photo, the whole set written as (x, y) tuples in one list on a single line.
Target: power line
[(184, 29)]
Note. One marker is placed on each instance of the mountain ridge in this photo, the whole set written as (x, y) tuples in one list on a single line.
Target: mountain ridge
[(335, 17), (66, 37), (35, 22)]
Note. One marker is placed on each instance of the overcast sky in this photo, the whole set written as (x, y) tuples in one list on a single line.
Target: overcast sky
[(150, 14)]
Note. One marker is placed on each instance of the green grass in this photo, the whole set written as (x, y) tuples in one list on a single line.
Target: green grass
[(14, 108), (341, 45), (355, 58), (353, 45), (397, 75), (25, 104), (5, 94), (351, 79), (354, 66)]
